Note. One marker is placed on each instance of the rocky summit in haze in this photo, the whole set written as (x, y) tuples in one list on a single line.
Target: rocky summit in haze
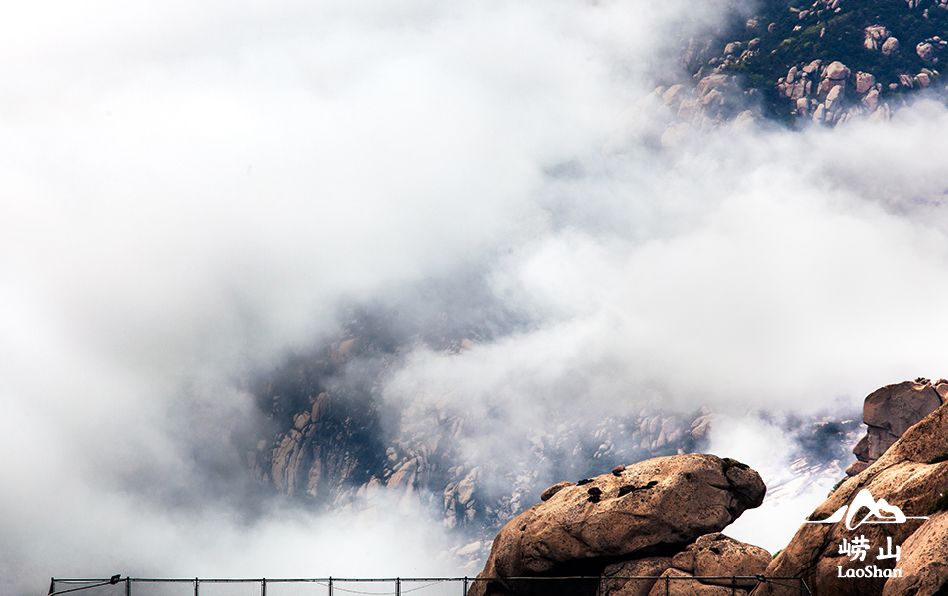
[(823, 61)]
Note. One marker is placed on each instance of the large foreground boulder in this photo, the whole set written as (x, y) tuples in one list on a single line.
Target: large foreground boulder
[(912, 475), (652, 509)]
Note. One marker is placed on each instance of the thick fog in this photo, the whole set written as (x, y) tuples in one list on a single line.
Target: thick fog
[(194, 190)]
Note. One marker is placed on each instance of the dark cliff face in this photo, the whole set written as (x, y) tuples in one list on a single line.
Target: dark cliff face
[(336, 437)]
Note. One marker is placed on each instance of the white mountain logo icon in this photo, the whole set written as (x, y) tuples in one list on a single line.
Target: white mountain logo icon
[(880, 512)]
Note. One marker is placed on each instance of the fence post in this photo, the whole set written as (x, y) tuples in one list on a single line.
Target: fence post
[(196, 582), (667, 586), (464, 593), (128, 587), (398, 587), (733, 586), (263, 587), (330, 585)]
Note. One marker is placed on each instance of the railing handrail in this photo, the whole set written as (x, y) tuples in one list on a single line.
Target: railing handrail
[(415, 579), (74, 585)]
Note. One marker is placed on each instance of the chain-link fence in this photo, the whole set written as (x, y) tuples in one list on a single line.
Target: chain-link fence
[(669, 585)]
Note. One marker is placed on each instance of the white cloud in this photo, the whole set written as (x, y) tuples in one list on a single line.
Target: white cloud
[(795, 487), (191, 190)]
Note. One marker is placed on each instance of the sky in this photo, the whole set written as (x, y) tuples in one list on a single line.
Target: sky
[(193, 191)]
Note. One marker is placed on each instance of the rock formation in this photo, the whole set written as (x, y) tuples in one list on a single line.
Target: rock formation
[(890, 411), (662, 515), (912, 474), (662, 518)]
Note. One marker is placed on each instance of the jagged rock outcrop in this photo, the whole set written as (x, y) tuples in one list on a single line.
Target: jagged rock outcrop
[(891, 46), (662, 514), (876, 37), (890, 411), (911, 475)]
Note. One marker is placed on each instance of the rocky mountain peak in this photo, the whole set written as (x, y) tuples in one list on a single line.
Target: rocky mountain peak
[(890, 411)]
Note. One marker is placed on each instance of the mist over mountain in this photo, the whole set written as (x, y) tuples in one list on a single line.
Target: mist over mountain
[(335, 288)]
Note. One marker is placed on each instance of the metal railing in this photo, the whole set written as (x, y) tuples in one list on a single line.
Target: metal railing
[(399, 586)]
